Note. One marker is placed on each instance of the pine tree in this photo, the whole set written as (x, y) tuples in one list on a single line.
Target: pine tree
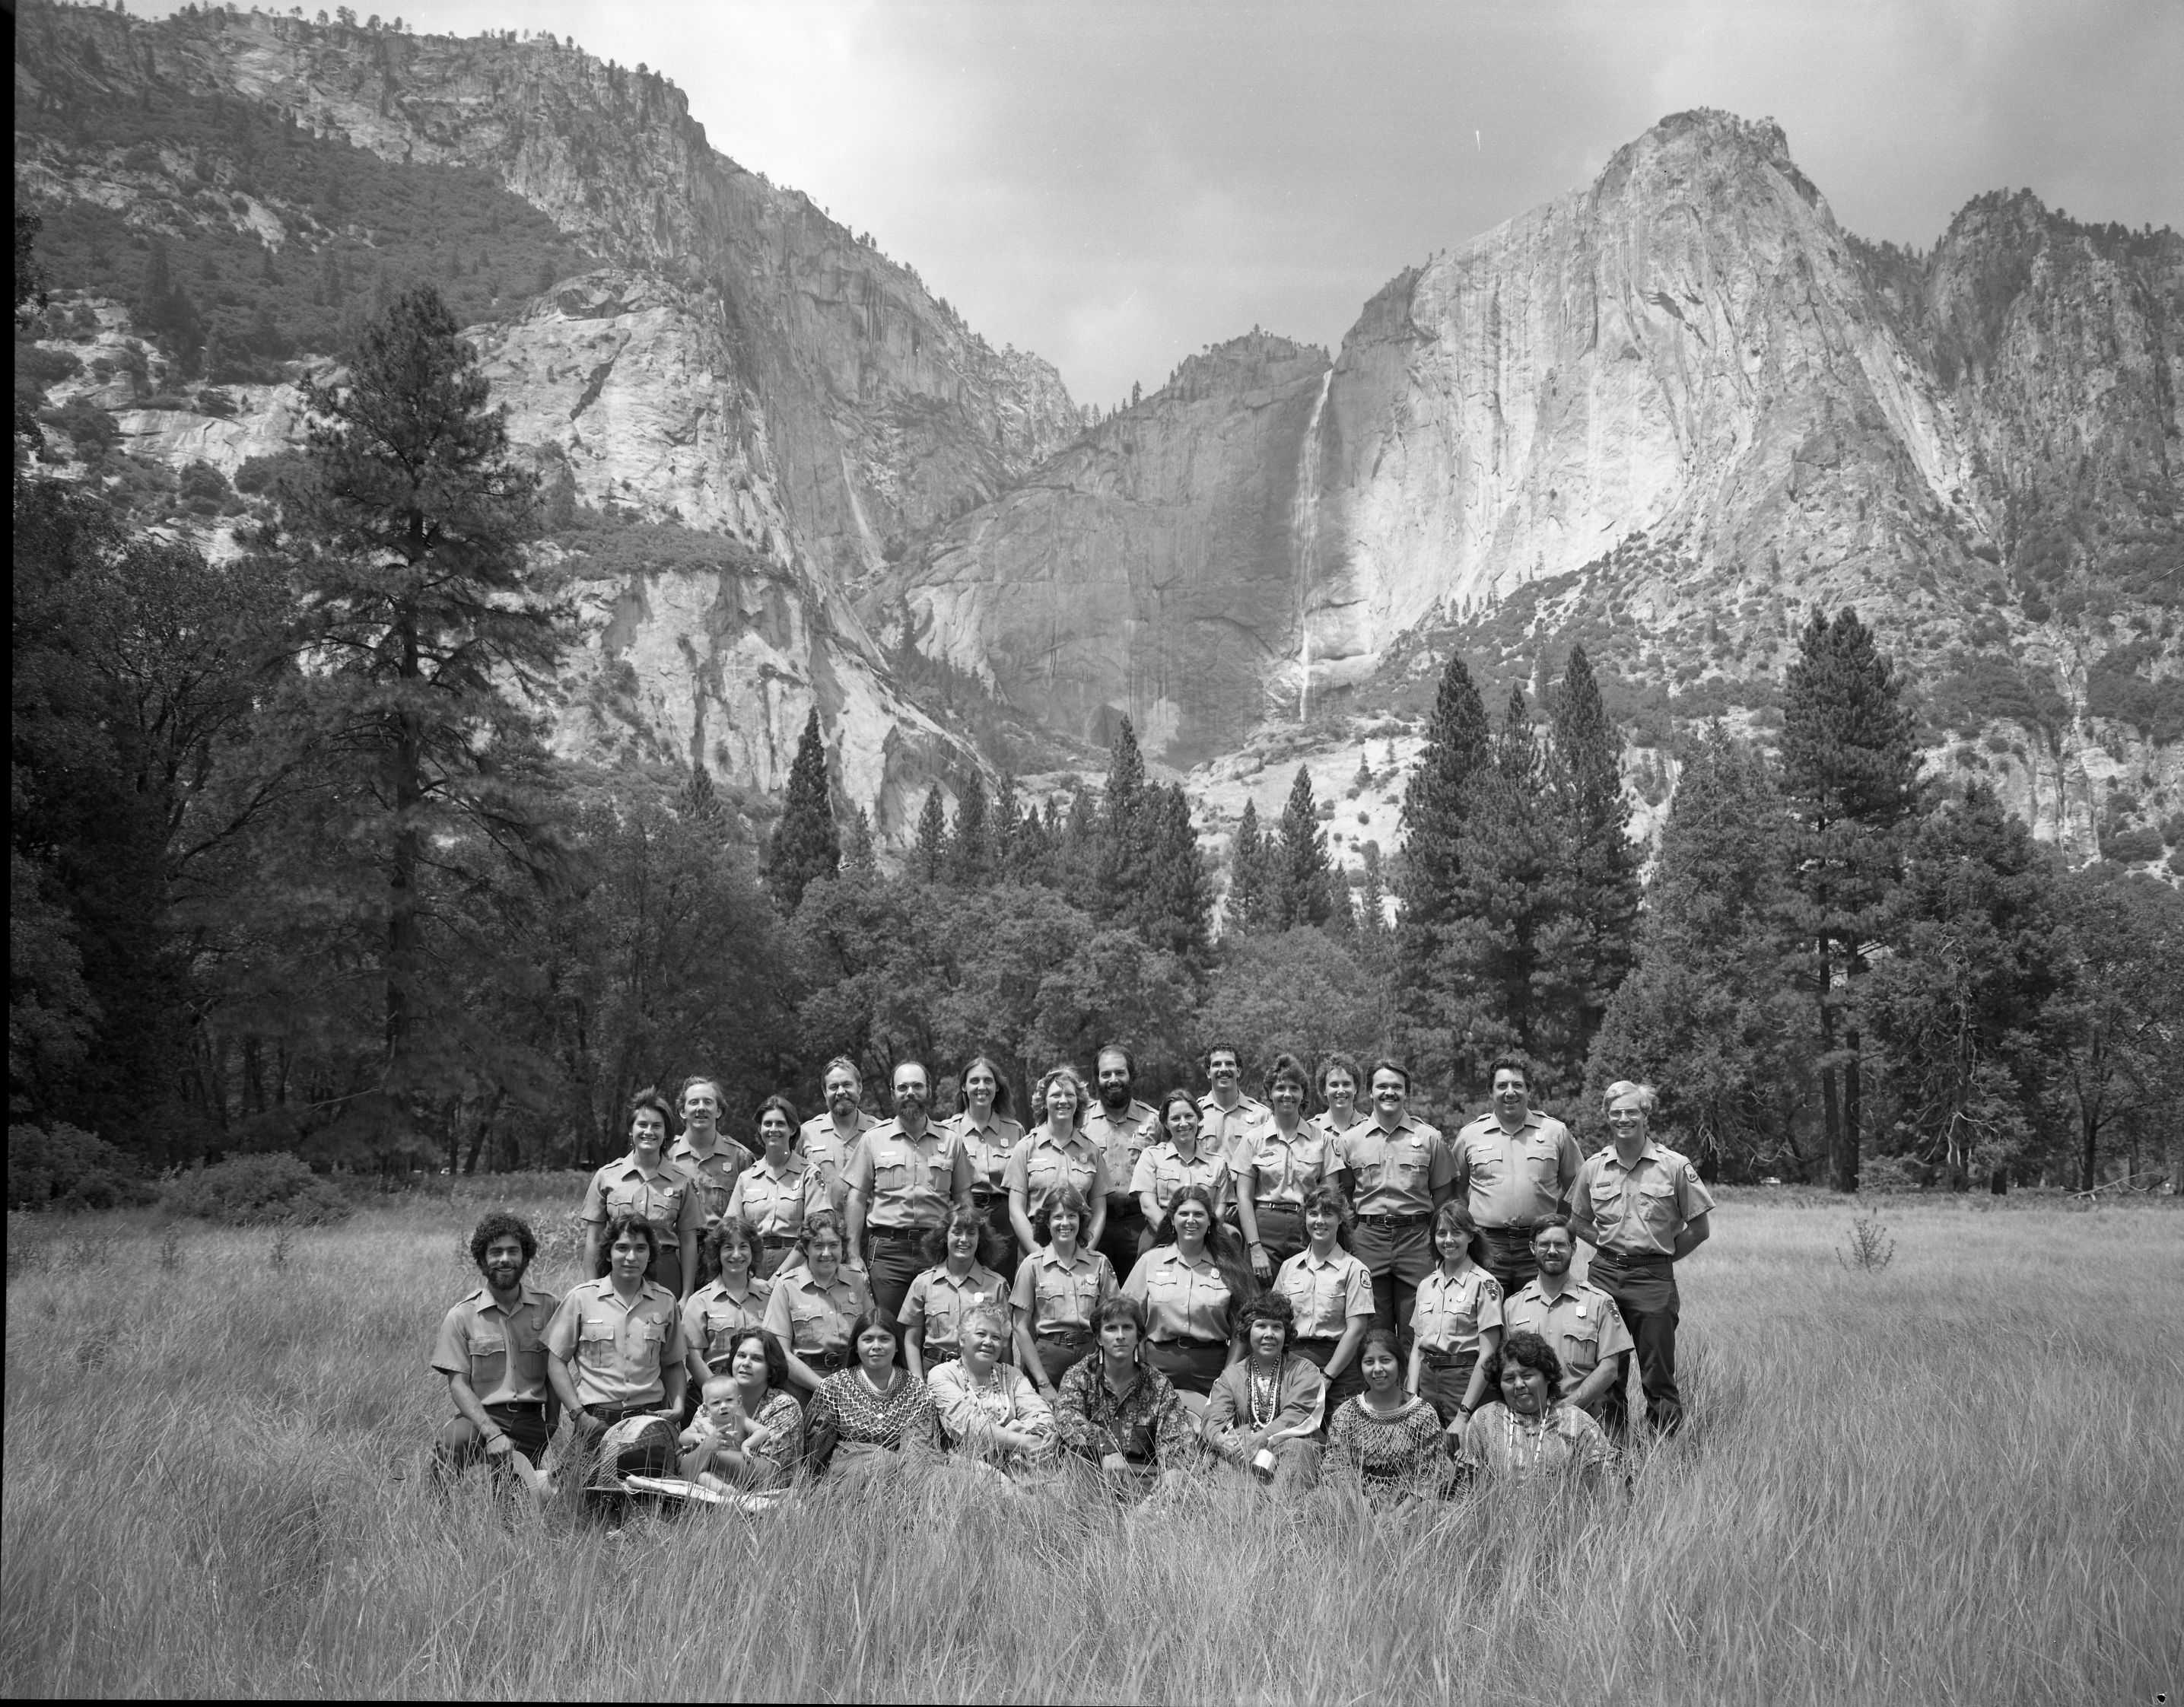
[(1006, 838), (1591, 944), (970, 852), (805, 845), (1373, 898), (1299, 893), (1341, 909), (700, 802), (1850, 769), (1123, 827), (930, 861), (1172, 907), (1458, 746), (857, 855), (1247, 897)]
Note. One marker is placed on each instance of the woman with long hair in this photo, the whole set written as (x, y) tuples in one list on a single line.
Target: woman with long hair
[(749, 1431), (1192, 1283), (874, 1417), (962, 1278), (1388, 1439), (986, 1135), (1455, 1320)]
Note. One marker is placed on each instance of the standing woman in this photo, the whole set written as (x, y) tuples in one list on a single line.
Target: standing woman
[(875, 1418), (1192, 1284), (813, 1306), (1339, 1079), (772, 1196), (1330, 1295), (961, 1278), (1055, 1156), (1180, 1159), (988, 1137), (733, 1300), (1278, 1163), (1455, 1322), (1270, 1401), (1390, 1440), (1059, 1290), (646, 1183)]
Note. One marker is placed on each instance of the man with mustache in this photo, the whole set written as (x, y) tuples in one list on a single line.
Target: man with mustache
[(1401, 1172), (1579, 1322), (1120, 1128), (904, 1173), (1514, 1168), (827, 1142), (1228, 1121), (492, 1349)]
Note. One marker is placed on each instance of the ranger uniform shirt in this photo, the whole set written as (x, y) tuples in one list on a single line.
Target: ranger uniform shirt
[(1223, 1129), (1121, 1139), (806, 1318), (1281, 1169), (1182, 1300), (501, 1353), (714, 1172), (615, 1349), (1396, 1173), (938, 1302), (908, 1182), (1451, 1313), (989, 1148), (667, 1196), (1163, 1171), (1580, 1322), (1325, 1295), (824, 1148), (1638, 1211), (1514, 1179), (1041, 1167), (712, 1316), (1057, 1295), (773, 1202)]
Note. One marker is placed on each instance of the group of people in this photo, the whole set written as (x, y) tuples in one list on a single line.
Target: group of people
[(1139, 1289)]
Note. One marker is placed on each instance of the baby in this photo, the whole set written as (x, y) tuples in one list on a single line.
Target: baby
[(719, 1434)]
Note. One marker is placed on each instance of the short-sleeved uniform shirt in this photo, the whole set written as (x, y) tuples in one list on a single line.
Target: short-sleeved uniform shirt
[(1163, 1172), (1182, 1300), (772, 1201), (1121, 1139), (824, 1148), (617, 1349), (1059, 1294), (908, 1182), (712, 1316), (714, 1172), (667, 1196), (1323, 1124), (1514, 1179), (1449, 1314), (1638, 1211), (1222, 1130), (807, 1318), (938, 1302), (1281, 1169), (1581, 1323), (989, 1148), (1326, 1294), (1396, 1173), (501, 1353), (1041, 1168)]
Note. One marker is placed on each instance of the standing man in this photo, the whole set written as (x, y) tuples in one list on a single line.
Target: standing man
[(1401, 1172), (646, 1184), (1514, 1168), (1640, 1207), (491, 1348), (904, 1175), (827, 1142), (1228, 1120), (1579, 1321), (709, 1157), (1120, 1128)]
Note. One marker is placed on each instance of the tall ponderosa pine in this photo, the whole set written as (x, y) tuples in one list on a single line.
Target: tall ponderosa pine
[(1458, 747), (970, 850), (930, 859), (806, 845), (1372, 898), (1592, 941), (1172, 905), (1123, 827), (417, 610), (1247, 874), (1300, 893), (1850, 770)]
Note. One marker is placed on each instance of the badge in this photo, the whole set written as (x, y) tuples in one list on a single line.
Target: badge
[(1580, 1309)]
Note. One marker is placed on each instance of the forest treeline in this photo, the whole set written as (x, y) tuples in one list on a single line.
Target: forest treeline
[(292, 869)]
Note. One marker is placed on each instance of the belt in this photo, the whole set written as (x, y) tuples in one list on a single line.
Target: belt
[(776, 1241), (1442, 1360), (833, 1362), (895, 1235), (1199, 1344), (1280, 1207), (1072, 1330), (1122, 1203), (1526, 1227), (517, 1405), (1623, 1259), (1393, 1220)]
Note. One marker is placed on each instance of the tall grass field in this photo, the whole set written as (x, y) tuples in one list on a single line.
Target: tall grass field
[(1956, 1478)]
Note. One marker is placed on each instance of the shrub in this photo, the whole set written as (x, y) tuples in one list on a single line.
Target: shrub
[(90, 426), (65, 1169), (203, 483), (45, 367), (247, 1190)]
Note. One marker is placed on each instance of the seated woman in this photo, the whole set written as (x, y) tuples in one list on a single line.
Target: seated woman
[(1058, 1287), (988, 1411), (1191, 1283), (962, 1250), (1263, 1411), (733, 1300), (750, 1429), (1387, 1439), (1529, 1432), (814, 1304), (868, 1421), (1117, 1412)]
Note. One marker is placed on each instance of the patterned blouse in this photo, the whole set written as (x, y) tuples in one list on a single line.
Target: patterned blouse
[(971, 1410), (1148, 1422), (772, 1460), (1499, 1442), (1402, 1447), (863, 1418)]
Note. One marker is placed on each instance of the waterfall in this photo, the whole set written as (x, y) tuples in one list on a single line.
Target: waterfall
[(1305, 525)]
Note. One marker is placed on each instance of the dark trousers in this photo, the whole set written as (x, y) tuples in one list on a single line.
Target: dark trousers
[(1281, 1230), (1505, 1254), (1191, 1365), (1119, 1238), (892, 1261), (460, 1445), (1444, 1378), (1346, 1386), (1397, 1258), (1644, 1288), (1061, 1350), (767, 1258)]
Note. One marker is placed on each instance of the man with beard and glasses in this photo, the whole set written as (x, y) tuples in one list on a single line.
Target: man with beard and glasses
[(491, 1348), (1120, 1128), (1514, 1168), (826, 1141), (903, 1177), (1580, 1322)]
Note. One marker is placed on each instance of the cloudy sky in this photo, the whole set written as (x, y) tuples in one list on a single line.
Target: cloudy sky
[(1114, 183)]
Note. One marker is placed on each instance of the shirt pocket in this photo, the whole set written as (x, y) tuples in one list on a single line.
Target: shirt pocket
[(894, 1178), (1544, 1171), (1606, 1200), (625, 1200), (488, 1350)]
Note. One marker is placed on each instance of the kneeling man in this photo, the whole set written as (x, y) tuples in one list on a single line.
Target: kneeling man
[(491, 1348)]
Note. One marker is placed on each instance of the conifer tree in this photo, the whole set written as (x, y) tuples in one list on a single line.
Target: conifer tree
[(1373, 898), (1006, 837), (1341, 908), (1123, 853), (1459, 745), (806, 845), (1300, 892), (700, 802), (970, 852), (857, 854), (1172, 907), (1850, 769), (1247, 896), (1590, 947), (929, 861)]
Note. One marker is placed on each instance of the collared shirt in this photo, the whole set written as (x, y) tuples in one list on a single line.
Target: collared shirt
[(1299, 1405), (938, 1302), (905, 1182), (1222, 1130), (617, 1349), (1396, 1173), (711, 1318), (1056, 1294), (1182, 1300), (970, 1411), (1502, 1443), (1514, 1179), (714, 1172), (772, 1201), (1326, 1294), (989, 1147), (820, 1145), (1120, 1139), (667, 1196), (807, 1318), (1163, 1172), (1281, 1169), (1638, 1211), (1042, 1166), (501, 1353), (1147, 1420), (1451, 1314), (1323, 1123), (1582, 1325)]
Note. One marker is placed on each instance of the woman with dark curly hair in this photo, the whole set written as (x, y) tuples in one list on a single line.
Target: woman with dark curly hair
[(734, 1298), (1330, 1293), (1192, 1283), (1388, 1439), (1265, 1408), (814, 1304), (1528, 1432), (962, 1278), (749, 1431)]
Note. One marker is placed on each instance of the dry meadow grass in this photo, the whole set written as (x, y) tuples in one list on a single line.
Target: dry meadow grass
[(1958, 1478)]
